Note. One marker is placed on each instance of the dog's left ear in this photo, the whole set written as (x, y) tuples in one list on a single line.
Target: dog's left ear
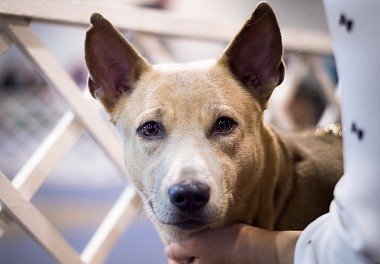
[(254, 56)]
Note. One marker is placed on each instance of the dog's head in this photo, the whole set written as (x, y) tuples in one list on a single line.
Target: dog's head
[(192, 133)]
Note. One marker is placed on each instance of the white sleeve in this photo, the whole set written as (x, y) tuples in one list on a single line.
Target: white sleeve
[(350, 232)]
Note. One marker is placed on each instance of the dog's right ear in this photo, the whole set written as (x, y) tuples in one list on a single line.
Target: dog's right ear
[(254, 56), (114, 65)]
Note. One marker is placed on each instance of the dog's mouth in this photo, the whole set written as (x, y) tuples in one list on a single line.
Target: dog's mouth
[(187, 224), (190, 224)]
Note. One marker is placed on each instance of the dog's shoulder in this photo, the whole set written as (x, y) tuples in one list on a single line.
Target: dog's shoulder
[(318, 165), (317, 154)]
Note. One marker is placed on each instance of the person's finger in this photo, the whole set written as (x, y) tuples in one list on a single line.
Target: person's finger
[(176, 252)]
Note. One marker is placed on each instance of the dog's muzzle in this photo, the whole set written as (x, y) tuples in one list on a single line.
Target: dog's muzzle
[(189, 198)]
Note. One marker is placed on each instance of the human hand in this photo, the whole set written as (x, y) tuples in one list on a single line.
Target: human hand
[(238, 243)]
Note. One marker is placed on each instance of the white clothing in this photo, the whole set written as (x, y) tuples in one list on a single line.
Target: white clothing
[(350, 232)]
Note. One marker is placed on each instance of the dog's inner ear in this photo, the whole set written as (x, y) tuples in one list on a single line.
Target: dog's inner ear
[(113, 64), (254, 56)]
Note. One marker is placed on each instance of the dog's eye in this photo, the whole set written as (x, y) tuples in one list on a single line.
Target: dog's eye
[(150, 129), (224, 125)]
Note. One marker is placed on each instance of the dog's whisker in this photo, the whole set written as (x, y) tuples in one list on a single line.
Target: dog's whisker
[(230, 189), (141, 209)]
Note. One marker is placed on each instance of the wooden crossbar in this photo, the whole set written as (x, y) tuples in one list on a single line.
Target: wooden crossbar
[(112, 227), (53, 72), (36, 170), (34, 173), (124, 17), (5, 43), (36, 224), (150, 21), (5, 219), (47, 156)]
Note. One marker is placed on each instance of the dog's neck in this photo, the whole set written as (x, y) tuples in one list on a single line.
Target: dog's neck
[(277, 179)]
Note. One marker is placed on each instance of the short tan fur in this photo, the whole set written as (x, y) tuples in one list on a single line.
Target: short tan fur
[(255, 174)]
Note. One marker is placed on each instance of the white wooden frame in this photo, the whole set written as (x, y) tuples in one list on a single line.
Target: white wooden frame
[(150, 21), (15, 195)]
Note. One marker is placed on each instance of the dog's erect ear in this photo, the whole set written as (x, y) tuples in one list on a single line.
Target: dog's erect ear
[(113, 63), (254, 56)]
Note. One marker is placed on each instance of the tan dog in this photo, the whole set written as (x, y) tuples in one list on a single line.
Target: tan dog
[(196, 146)]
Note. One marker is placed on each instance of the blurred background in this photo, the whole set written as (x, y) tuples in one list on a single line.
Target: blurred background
[(83, 187)]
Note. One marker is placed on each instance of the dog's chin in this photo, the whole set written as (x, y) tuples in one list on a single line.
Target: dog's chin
[(185, 222)]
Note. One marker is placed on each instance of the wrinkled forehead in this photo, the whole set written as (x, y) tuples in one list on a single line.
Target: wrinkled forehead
[(190, 91)]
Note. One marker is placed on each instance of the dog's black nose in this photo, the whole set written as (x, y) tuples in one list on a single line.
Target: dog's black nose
[(189, 196)]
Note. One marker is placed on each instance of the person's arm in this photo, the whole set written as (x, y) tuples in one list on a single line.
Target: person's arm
[(350, 233), (235, 244)]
